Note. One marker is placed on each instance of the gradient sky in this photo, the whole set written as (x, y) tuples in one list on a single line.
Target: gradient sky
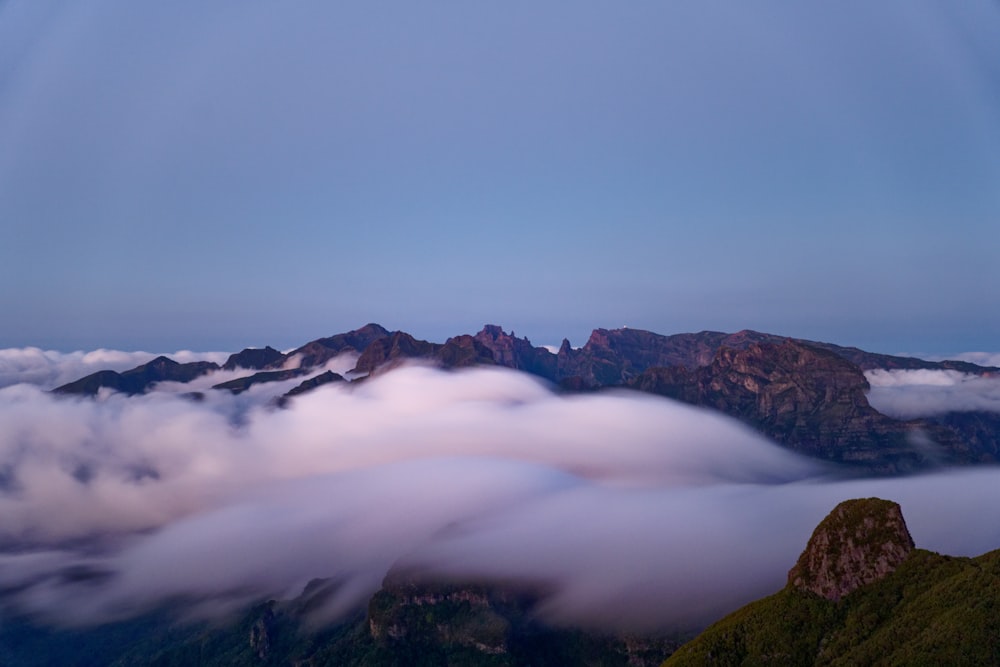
[(214, 175)]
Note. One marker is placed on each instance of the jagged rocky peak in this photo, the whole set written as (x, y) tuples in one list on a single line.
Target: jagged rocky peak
[(513, 352), (493, 332), (500, 342), (860, 542), (565, 348)]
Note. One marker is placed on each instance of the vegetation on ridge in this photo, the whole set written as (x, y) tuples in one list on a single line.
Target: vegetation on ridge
[(930, 610)]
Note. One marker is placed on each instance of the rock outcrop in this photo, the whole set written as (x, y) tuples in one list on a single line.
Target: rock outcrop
[(805, 397), (517, 353), (861, 594), (860, 542)]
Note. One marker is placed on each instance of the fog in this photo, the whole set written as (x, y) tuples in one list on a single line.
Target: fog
[(49, 368), (630, 511), (908, 394)]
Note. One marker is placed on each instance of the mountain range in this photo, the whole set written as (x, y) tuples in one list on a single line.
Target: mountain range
[(860, 593), (808, 396)]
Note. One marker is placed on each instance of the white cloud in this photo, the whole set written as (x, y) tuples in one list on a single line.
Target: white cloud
[(981, 358), (49, 369), (637, 512), (908, 394)]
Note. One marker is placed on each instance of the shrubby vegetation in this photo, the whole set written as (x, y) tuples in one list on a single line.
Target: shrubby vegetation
[(933, 610)]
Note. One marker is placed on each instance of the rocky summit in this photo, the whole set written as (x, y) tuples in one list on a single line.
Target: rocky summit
[(861, 594), (860, 542)]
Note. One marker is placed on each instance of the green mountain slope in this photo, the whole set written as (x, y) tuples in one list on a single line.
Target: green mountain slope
[(931, 610)]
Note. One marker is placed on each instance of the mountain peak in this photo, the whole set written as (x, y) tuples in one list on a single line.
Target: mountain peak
[(254, 358), (492, 331), (861, 541)]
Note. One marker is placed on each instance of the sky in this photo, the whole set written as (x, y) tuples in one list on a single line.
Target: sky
[(209, 176)]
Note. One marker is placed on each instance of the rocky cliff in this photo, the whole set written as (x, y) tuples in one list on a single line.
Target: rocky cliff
[(860, 542), (807, 398), (861, 594)]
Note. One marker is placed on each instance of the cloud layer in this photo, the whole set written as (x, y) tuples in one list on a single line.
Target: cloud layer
[(635, 512), (49, 368), (908, 394)]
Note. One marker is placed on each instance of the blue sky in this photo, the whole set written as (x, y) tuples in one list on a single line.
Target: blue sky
[(215, 175)]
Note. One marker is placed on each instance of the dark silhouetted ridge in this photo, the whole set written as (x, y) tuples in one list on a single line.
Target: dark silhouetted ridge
[(139, 379), (253, 358)]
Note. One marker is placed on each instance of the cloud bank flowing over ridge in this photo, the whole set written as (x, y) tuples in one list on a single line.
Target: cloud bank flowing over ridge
[(637, 512), (49, 368), (909, 394)]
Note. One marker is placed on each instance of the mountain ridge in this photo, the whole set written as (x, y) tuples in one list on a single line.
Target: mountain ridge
[(808, 396)]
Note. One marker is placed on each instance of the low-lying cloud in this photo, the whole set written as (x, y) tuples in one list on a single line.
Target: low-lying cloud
[(908, 394), (635, 512), (49, 368)]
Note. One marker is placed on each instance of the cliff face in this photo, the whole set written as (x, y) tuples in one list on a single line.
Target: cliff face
[(806, 398), (518, 353), (618, 356), (858, 543), (391, 350)]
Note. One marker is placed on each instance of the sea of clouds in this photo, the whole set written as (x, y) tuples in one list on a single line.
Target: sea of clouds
[(634, 512)]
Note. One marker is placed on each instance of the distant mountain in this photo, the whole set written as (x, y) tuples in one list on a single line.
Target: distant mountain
[(139, 379), (254, 359), (321, 350), (239, 385), (806, 395), (861, 594)]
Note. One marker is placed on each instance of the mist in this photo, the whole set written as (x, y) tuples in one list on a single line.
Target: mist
[(49, 368), (908, 394), (629, 511)]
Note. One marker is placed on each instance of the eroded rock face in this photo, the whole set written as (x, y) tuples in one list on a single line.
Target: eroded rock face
[(513, 352), (804, 397), (861, 541)]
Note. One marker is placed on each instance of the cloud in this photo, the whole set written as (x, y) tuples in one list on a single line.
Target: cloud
[(49, 368), (908, 394), (981, 358), (634, 512)]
